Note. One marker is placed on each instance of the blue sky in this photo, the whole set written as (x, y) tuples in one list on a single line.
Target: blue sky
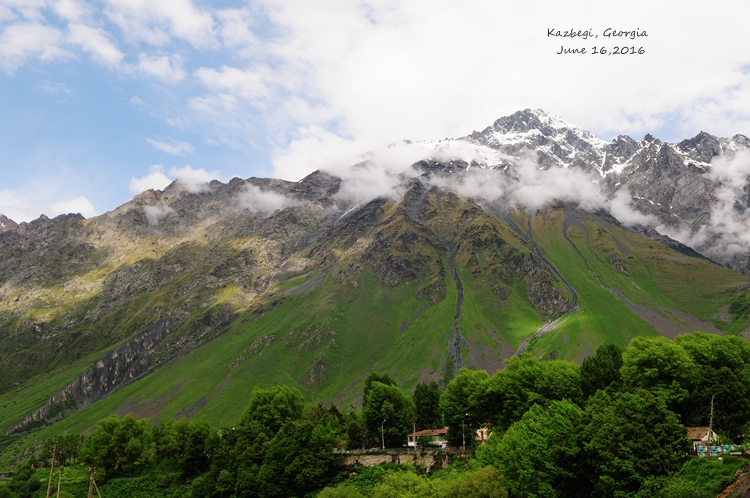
[(102, 99)]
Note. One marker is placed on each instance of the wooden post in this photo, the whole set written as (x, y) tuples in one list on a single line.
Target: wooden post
[(97, 489), (51, 470), (59, 481), (91, 483)]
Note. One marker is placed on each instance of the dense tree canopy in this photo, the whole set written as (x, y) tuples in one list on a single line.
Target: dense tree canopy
[(459, 404), (273, 407), (537, 454), (626, 438), (427, 403), (387, 403), (525, 382), (119, 444), (601, 370)]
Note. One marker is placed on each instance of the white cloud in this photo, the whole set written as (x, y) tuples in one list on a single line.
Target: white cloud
[(161, 67), (728, 228), (17, 207), (70, 10), (173, 147), (21, 42), (96, 42), (156, 180), (78, 205), (156, 22), (155, 213), (194, 180), (263, 202), (375, 73)]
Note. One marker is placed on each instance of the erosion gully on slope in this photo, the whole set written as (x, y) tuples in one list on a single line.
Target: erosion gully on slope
[(455, 353), (505, 217)]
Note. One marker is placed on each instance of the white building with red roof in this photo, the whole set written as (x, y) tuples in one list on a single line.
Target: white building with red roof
[(439, 437)]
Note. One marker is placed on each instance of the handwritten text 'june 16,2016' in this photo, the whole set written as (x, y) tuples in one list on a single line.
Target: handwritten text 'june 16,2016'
[(618, 38)]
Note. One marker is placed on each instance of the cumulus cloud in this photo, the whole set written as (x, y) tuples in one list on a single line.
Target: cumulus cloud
[(156, 180), (263, 202), (78, 205), (96, 42), (17, 207), (155, 213), (27, 207), (23, 41), (621, 208), (157, 23), (171, 146), (194, 180)]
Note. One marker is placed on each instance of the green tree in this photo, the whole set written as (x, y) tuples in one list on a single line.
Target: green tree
[(486, 482), (525, 382), (273, 407), (355, 431), (118, 444), (460, 402), (4, 492), (375, 377), (723, 372), (537, 454), (601, 370), (427, 403), (237, 454), (389, 403), (661, 366), (297, 461), (627, 438), (67, 448)]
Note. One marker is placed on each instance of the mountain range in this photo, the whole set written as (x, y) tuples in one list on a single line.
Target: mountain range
[(532, 235)]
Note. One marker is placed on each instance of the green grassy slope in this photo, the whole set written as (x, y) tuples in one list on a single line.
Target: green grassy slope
[(653, 284)]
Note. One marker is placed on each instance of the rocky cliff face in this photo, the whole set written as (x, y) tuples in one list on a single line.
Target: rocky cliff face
[(116, 369)]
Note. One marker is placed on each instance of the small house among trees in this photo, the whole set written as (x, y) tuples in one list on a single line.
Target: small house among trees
[(429, 437), (700, 436)]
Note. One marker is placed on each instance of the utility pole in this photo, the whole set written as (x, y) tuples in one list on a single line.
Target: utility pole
[(711, 422), (59, 481), (51, 470), (463, 432), (382, 433), (414, 433)]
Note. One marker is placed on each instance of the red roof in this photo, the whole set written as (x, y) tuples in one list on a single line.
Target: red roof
[(430, 432)]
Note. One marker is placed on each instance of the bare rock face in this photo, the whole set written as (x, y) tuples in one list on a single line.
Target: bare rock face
[(6, 224), (125, 364), (540, 289)]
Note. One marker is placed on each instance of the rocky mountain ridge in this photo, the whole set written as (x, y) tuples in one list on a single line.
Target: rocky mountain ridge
[(671, 182)]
